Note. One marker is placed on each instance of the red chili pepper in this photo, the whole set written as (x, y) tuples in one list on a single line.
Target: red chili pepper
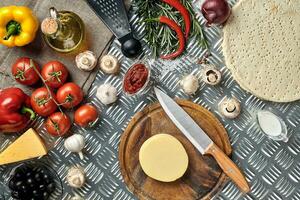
[(173, 25), (184, 12), (14, 105)]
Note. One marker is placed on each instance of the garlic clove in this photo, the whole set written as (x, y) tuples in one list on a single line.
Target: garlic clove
[(189, 84), (230, 108), (86, 61), (109, 64)]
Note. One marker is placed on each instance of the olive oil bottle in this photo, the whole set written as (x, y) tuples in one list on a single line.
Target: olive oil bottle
[(63, 31)]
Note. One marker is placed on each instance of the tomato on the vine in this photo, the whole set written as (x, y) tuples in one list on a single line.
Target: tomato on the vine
[(42, 102), (24, 72), (69, 95), (86, 115), (55, 74), (58, 124)]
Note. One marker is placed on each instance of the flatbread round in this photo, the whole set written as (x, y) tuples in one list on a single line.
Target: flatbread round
[(261, 47)]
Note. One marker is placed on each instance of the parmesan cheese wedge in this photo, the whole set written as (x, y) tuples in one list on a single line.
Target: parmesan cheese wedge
[(163, 158), (27, 146)]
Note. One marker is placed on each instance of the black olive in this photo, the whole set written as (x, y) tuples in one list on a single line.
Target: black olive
[(45, 195), (18, 175), (38, 177), (50, 187), (19, 185), (15, 194), (42, 187), (12, 183), (36, 193), (24, 189), (131, 48), (29, 174), (30, 181)]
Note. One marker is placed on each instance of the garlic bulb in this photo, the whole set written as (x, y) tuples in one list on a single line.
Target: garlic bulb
[(107, 94), (76, 177), (109, 64), (230, 108), (75, 143), (189, 84), (86, 61)]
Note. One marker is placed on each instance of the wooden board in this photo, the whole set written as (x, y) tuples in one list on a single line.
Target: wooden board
[(203, 178)]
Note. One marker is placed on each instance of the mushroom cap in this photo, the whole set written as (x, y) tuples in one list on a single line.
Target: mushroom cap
[(86, 60), (76, 177), (230, 108), (211, 75), (109, 64)]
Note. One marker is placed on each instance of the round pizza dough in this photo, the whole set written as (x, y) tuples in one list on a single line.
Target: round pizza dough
[(163, 158), (261, 47)]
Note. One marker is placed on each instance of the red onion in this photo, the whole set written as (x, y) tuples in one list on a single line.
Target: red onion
[(215, 11)]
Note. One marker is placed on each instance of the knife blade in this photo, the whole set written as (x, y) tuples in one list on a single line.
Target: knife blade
[(200, 140)]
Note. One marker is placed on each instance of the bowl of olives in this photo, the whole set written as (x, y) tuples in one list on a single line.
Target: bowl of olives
[(33, 181)]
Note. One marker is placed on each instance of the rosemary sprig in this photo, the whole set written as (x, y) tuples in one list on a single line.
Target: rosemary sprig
[(161, 38)]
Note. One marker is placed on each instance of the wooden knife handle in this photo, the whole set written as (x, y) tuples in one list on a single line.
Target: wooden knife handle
[(229, 168)]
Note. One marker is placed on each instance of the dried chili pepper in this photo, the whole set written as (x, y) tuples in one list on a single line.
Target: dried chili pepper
[(173, 25), (184, 12)]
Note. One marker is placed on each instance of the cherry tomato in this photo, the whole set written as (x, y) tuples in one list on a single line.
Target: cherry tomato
[(69, 95), (58, 124), (42, 103), (24, 73), (55, 74), (86, 115)]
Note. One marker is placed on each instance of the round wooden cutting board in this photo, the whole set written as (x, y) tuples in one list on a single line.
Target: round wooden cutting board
[(203, 178)]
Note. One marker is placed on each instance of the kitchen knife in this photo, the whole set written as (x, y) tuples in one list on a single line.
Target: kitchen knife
[(114, 16), (200, 140)]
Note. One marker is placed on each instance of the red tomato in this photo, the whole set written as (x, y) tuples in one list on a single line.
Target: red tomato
[(55, 74), (24, 73), (42, 103), (86, 115), (69, 95), (58, 124)]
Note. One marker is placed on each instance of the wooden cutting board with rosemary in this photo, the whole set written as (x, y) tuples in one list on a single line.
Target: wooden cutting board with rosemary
[(203, 178)]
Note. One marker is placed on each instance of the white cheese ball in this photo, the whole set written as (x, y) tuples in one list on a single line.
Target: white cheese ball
[(107, 94), (189, 84)]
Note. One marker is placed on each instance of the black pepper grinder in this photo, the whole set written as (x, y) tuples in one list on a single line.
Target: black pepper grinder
[(114, 16)]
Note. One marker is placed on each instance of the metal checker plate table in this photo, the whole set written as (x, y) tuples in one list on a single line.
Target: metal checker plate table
[(272, 168)]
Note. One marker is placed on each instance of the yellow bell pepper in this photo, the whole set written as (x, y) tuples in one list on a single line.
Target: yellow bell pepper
[(18, 26)]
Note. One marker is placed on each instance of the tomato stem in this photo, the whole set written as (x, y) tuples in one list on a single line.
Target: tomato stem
[(20, 75)]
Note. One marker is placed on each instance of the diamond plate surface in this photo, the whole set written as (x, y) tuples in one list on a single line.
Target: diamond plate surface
[(272, 168)]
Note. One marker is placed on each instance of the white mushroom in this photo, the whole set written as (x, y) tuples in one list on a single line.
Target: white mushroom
[(189, 84), (76, 177), (109, 64), (86, 61), (211, 75), (107, 94), (230, 108), (75, 143)]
